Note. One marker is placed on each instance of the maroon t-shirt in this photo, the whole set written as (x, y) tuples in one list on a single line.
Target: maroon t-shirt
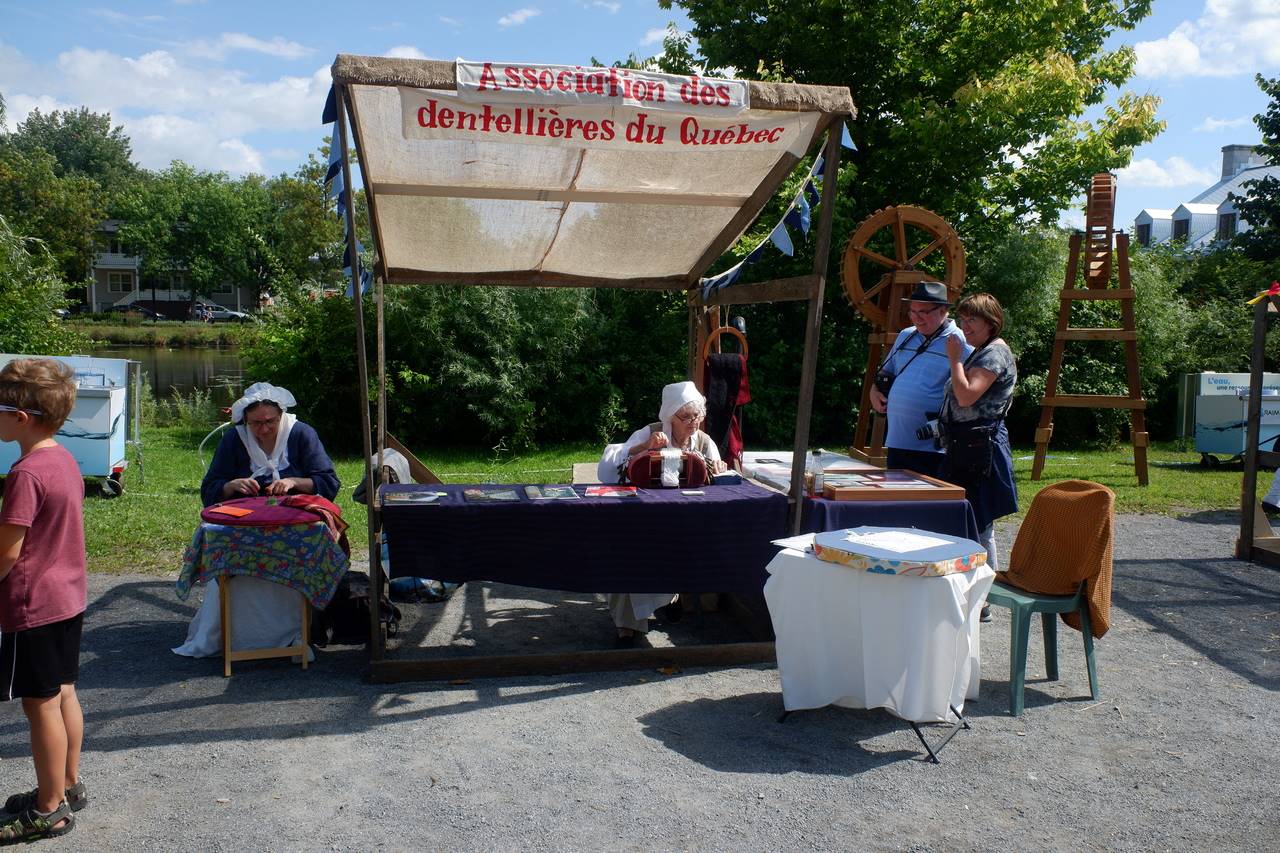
[(44, 493)]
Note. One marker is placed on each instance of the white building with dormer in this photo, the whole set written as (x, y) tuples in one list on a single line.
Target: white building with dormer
[(1211, 215)]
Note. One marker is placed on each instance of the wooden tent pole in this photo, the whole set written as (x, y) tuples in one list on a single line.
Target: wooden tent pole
[(1249, 484), (813, 322), (376, 642)]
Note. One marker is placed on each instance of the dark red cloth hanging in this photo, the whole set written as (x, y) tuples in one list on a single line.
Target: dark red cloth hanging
[(724, 378)]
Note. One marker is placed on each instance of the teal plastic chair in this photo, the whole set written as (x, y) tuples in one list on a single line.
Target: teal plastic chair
[(1021, 605)]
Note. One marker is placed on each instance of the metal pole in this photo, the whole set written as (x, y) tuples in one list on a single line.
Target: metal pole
[(376, 647)]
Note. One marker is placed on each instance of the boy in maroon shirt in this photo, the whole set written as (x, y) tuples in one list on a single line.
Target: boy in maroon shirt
[(42, 594)]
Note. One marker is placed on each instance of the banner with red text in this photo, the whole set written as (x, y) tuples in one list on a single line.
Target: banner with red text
[(530, 84), (437, 114)]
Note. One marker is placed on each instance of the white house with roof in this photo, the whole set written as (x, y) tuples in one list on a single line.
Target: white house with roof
[(115, 280), (1211, 215)]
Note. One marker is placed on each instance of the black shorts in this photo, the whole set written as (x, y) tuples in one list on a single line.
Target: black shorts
[(34, 664)]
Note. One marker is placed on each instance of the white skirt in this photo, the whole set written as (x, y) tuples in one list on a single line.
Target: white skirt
[(264, 615)]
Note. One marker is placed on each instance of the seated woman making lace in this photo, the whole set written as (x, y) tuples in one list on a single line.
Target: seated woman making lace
[(678, 426), (267, 451)]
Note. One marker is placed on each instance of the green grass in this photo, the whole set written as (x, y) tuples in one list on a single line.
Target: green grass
[(146, 529), (1177, 484)]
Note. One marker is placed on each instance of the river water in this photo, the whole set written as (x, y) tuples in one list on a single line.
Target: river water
[(181, 371)]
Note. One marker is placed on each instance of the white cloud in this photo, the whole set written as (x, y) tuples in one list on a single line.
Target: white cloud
[(518, 17), (654, 36), (122, 18), (450, 22), (1212, 125), (610, 6), (1230, 37), (405, 51), (228, 42), (18, 107), (160, 139), (172, 105), (1175, 172)]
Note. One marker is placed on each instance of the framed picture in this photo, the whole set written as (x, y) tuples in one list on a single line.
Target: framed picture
[(890, 485)]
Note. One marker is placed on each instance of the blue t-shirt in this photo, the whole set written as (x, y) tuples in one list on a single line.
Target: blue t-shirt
[(918, 386)]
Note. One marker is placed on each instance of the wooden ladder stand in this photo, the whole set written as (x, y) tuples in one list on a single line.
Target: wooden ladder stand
[(1097, 242)]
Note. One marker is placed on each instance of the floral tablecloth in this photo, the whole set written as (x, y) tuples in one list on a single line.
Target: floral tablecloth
[(300, 556)]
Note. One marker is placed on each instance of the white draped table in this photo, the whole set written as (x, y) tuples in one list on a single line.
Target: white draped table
[(864, 640)]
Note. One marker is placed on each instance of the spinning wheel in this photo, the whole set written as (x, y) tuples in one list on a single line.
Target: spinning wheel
[(889, 247), (917, 235)]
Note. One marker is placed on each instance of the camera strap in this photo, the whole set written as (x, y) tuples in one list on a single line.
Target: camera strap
[(919, 351)]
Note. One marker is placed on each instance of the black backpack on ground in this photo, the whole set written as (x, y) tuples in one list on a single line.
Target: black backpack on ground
[(345, 622)]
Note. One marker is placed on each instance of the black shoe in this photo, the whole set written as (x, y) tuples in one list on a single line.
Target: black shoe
[(672, 612), (985, 615), (627, 642)]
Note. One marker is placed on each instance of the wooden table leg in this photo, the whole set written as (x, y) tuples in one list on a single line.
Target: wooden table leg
[(306, 629), (224, 601)]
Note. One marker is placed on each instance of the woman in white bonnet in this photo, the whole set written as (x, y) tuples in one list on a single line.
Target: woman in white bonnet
[(268, 451), (679, 425)]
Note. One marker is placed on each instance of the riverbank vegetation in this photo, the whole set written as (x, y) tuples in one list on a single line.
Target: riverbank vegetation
[(164, 333)]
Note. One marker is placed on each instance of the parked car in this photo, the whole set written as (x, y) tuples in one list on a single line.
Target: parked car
[(62, 313), (218, 314), (137, 309)]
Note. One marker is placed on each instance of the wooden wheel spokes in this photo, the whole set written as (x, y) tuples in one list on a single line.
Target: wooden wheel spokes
[(903, 223)]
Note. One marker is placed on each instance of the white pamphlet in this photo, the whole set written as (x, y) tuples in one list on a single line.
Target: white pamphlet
[(897, 541)]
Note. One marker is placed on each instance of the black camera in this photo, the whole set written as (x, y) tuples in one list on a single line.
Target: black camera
[(884, 381), (932, 429)]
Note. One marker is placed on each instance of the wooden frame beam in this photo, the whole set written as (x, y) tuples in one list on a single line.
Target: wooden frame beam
[(778, 290)]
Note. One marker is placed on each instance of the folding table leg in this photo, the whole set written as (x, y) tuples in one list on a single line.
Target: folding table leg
[(960, 723), (306, 629)]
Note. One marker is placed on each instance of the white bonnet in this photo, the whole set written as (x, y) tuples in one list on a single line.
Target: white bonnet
[(674, 398), (261, 392)]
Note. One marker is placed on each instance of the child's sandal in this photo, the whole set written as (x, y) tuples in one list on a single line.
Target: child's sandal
[(31, 825), (77, 797)]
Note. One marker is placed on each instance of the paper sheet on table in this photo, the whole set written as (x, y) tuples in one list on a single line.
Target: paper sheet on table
[(897, 541), (802, 542)]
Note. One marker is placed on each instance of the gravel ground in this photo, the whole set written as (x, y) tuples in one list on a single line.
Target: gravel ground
[(1177, 753)]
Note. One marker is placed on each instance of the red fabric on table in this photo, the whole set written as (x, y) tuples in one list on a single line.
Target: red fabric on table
[(266, 511)]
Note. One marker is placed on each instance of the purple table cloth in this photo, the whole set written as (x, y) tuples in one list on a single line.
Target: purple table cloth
[(659, 541), (300, 556), (954, 518)]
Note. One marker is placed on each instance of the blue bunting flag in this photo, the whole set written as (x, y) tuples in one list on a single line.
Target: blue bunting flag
[(780, 238)]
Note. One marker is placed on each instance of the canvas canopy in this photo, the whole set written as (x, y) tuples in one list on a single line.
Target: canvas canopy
[(502, 174), (494, 189)]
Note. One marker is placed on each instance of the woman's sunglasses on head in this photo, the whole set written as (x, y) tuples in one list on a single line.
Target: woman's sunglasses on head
[(15, 409)]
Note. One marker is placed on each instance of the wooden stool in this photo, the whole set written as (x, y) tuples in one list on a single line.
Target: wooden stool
[(224, 601)]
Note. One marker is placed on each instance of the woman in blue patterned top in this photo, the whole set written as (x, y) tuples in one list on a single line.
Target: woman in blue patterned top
[(975, 400)]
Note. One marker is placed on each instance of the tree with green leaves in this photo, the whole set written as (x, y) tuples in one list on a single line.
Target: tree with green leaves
[(971, 109), (81, 142), (30, 291), (62, 211), (1261, 206), (187, 220)]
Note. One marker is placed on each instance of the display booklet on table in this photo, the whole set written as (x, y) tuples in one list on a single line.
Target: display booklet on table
[(412, 497), (611, 492), (551, 493), (485, 495)]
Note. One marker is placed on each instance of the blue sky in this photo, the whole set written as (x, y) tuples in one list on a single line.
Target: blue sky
[(238, 86)]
